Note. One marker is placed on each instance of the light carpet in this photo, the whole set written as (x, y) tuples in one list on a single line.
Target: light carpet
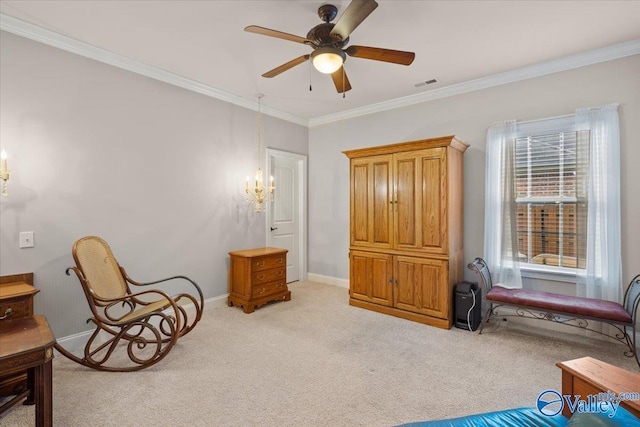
[(316, 361)]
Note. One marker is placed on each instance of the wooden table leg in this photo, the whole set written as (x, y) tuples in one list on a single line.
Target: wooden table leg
[(44, 394), (31, 397), (567, 388)]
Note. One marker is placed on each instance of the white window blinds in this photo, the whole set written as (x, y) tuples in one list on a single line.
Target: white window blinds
[(549, 169)]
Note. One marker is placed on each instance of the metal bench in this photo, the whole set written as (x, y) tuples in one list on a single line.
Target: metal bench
[(565, 309)]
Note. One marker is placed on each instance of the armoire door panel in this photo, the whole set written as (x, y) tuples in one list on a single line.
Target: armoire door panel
[(360, 203), (359, 277), (405, 277), (370, 277), (422, 286), (406, 214), (433, 291), (382, 196), (371, 210), (434, 202), (381, 286)]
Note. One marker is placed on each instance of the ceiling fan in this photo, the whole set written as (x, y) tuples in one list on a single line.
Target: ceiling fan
[(328, 42)]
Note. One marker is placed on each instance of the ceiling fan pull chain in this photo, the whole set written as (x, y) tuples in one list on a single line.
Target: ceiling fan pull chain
[(310, 74)]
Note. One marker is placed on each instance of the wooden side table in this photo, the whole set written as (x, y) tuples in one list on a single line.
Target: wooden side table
[(589, 376), (28, 344), (256, 277), (16, 302)]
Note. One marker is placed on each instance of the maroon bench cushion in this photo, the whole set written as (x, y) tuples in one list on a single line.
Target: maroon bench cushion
[(588, 307)]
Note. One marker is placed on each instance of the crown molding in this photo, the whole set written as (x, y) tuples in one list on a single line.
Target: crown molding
[(583, 59), (51, 38)]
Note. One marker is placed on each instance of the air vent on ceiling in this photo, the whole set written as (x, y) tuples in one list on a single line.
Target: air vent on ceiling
[(428, 82)]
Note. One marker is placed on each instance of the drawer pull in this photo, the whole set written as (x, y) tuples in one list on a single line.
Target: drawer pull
[(280, 260), (280, 285), (280, 273), (260, 277), (260, 264), (7, 313), (261, 291)]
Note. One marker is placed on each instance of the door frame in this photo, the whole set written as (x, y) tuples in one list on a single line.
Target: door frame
[(301, 161)]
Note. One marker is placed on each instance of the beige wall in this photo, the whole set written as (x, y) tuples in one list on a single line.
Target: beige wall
[(156, 170)]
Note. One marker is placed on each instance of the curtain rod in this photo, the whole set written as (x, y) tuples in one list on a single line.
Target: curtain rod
[(614, 104), (518, 122), (502, 122), (544, 119)]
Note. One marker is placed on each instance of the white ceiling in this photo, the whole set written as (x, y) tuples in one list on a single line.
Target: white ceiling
[(454, 41)]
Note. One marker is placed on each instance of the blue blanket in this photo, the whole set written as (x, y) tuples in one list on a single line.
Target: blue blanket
[(524, 417)]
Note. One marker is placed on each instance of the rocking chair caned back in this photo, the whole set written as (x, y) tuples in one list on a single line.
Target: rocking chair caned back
[(99, 268), (144, 325)]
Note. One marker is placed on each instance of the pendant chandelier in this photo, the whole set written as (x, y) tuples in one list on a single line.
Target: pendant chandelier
[(258, 193)]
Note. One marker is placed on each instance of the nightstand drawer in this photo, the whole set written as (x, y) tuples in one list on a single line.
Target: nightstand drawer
[(265, 263), (14, 309), (267, 276), (269, 288)]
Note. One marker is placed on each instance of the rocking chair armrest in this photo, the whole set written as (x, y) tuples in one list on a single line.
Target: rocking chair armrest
[(133, 297), (132, 300), (195, 285)]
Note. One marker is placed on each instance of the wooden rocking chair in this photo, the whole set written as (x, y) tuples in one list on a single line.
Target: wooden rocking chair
[(144, 325)]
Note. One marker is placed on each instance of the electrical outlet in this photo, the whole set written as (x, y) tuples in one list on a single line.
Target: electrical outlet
[(26, 239)]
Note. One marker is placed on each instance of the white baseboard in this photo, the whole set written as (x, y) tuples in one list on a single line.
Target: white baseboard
[(216, 301), (75, 343), (328, 280)]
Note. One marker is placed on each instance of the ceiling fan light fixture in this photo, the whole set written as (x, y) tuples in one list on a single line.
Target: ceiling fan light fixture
[(328, 60)]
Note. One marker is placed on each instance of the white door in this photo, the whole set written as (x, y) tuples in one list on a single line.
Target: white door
[(285, 214)]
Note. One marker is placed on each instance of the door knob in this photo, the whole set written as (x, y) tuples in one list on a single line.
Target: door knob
[(274, 228)]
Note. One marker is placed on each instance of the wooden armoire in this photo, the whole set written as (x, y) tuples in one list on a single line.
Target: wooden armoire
[(406, 228)]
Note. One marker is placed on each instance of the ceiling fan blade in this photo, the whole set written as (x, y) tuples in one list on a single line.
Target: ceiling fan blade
[(284, 67), (277, 34), (354, 14), (379, 54), (340, 84)]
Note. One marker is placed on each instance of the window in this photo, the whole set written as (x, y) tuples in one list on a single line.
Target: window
[(552, 200), (550, 222)]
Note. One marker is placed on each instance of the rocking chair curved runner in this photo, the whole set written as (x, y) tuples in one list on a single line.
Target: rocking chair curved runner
[(147, 324)]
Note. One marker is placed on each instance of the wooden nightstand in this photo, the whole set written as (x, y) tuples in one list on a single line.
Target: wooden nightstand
[(256, 277), (16, 302), (589, 376)]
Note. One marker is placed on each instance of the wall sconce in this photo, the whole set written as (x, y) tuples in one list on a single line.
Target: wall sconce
[(258, 193), (4, 172)]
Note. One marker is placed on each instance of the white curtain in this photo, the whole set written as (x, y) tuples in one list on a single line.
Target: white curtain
[(602, 277), (500, 242)]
